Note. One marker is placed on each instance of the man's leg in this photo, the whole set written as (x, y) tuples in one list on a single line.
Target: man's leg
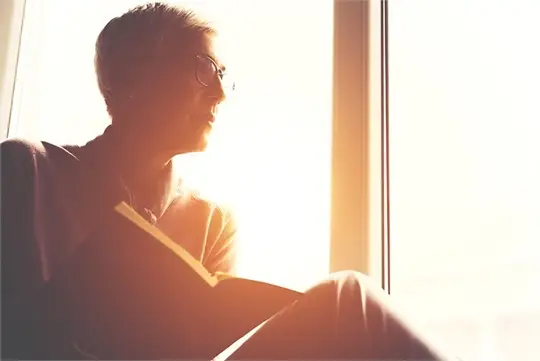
[(344, 317)]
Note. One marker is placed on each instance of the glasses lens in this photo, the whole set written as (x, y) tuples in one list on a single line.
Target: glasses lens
[(206, 71)]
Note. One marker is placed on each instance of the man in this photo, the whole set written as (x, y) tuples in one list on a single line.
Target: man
[(162, 81)]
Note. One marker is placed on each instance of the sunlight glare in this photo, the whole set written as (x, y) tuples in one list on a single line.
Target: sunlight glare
[(269, 157)]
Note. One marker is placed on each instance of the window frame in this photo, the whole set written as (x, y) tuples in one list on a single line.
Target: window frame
[(359, 237), (13, 15)]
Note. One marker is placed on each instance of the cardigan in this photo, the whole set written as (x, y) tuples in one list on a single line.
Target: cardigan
[(54, 197)]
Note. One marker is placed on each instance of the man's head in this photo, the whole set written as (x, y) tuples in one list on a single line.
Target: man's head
[(159, 74)]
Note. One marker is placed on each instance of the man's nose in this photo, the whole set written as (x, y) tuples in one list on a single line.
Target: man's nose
[(217, 91)]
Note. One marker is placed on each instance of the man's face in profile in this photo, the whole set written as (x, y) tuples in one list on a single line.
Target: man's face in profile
[(191, 98)]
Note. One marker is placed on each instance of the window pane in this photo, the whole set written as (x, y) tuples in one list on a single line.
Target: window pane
[(270, 156), (465, 202)]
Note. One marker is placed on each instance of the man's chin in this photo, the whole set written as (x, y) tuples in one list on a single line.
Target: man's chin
[(197, 146), (203, 146)]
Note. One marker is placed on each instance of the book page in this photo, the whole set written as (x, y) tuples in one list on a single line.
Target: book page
[(129, 213)]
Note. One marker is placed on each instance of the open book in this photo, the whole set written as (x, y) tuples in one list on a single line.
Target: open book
[(132, 286), (183, 255)]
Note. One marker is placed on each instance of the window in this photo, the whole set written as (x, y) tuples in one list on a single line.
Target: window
[(464, 172), (274, 143), (11, 14)]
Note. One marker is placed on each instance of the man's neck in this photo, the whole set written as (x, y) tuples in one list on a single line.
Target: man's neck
[(128, 156), (149, 179)]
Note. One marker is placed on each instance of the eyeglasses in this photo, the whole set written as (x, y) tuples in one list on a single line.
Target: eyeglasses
[(208, 72)]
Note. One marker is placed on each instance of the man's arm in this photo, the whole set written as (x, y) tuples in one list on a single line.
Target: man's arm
[(20, 256), (220, 254), (22, 277), (204, 229)]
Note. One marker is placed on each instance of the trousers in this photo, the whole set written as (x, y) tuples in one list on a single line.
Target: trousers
[(345, 317)]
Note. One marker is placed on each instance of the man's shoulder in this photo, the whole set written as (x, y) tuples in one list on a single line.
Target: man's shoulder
[(191, 208), (29, 163), (20, 147), (35, 150), (192, 198)]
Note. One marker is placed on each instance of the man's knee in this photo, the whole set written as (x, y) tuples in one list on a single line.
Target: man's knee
[(350, 294), (339, 290), (344, 282), (350, 278)]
